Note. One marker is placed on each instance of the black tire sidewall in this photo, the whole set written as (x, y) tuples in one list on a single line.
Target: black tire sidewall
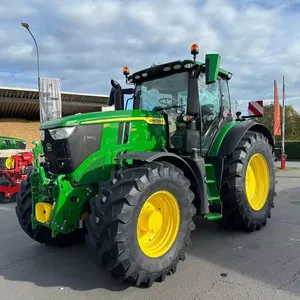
[(259, 147), (159, 264)]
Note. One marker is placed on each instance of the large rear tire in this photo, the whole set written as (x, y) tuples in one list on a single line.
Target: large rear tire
[(248, 186), (41, 234), (140, 223)]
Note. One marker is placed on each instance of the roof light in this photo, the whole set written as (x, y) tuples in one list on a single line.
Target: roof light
[(195, 49), (144, 75), (188, 65), (137, 77), (176, 67), (126, 71), (166, 69)]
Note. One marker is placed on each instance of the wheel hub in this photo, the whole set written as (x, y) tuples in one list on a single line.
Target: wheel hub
[(158, 224), (257, 181), (150, 219)]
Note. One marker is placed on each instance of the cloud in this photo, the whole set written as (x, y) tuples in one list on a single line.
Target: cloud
[(86, 43)]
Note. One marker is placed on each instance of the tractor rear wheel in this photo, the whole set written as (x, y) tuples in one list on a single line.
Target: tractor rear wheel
[(41, 234), (248, 186), (140, 223)]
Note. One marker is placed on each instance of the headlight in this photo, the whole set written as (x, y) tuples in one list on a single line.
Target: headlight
[(42, 135), (61, 133)]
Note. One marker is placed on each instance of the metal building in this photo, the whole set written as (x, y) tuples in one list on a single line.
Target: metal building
[(24, 103)]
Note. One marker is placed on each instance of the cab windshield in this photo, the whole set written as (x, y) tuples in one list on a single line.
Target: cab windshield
[(166, 93)]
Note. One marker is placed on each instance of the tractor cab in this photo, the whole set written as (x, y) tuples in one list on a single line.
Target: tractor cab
[(192, 96)]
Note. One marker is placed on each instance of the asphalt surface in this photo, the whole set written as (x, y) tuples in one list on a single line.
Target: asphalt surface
[(220, 264)]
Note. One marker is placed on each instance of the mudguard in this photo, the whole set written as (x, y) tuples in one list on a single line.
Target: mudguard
[(236, 133), (194, 170)]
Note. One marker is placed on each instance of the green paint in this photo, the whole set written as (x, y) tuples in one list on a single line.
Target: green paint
[(95, 117), (220, 137), (7, 143), (213, 63), (70, 193), (68, 202), (212, 191), (37, 151), (40, 193), (213, 216)]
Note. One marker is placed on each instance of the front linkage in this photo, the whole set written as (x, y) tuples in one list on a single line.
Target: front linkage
[(56, 204)]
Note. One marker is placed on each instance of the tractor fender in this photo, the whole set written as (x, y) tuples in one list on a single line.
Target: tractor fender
[(194, 170), (236, 133)]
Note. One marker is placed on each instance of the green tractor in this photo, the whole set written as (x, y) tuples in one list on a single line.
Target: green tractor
[(128, 182)]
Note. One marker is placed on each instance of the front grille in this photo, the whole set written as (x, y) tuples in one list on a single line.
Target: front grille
[(64, 156)]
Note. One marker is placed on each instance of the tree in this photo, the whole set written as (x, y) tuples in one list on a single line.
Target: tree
[(292, 121)]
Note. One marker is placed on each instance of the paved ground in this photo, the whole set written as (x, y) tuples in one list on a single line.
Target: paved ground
[(219, 265)]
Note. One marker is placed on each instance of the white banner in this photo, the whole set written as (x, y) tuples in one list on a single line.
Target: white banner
[(50, 99), (9, 152)]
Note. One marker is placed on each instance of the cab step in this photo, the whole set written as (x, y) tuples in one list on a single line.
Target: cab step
[(213, 216)]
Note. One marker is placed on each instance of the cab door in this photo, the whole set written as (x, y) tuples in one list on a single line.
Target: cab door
[(211, 110)]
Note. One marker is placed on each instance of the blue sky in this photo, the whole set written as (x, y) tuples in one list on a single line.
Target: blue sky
[(86, 43)]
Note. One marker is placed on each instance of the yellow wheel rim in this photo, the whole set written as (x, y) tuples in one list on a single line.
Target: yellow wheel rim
[(257, 181), (158, 224), (9, 163)]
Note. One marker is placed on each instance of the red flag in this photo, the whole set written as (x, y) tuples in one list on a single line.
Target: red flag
[(277, 127)]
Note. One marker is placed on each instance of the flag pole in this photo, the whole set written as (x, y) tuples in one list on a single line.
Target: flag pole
[(283, 128), (274, 112)]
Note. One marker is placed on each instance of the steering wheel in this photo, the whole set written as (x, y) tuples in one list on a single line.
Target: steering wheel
[(208, 113), (164, 101)]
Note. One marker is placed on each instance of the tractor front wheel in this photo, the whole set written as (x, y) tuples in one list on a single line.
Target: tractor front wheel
[(248, 186), (41, 234), (140, 223)]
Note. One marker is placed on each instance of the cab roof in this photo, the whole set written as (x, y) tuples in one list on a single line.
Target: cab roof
[(170, 68)]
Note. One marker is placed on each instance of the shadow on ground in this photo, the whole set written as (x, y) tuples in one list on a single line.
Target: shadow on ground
[(69, 267)]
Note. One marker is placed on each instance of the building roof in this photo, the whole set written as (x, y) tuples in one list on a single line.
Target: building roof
[(24, 103)]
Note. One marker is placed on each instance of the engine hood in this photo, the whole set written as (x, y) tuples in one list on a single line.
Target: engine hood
[(106, 116)]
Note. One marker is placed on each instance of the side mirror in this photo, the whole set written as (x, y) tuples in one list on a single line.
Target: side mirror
[(212, 65), (193, 105), (111, 99), (116, 96)]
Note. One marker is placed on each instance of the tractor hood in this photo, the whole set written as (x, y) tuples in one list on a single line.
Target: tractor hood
[(101, 117)]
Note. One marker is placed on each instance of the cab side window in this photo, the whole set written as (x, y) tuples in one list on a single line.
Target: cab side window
[(226, 98), (209, 97), (210, 102)]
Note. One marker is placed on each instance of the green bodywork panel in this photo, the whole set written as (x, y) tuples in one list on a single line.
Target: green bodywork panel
[(220, 137), (100, 117), (7, 143), (212, 191), (69, 193)]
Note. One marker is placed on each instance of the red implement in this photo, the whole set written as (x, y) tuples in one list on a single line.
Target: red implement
[(12, 176)]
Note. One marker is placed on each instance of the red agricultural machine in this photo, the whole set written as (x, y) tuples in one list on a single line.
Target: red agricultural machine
[(16, 169)]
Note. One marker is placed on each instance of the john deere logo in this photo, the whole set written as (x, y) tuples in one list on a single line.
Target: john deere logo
[(49, 147)]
